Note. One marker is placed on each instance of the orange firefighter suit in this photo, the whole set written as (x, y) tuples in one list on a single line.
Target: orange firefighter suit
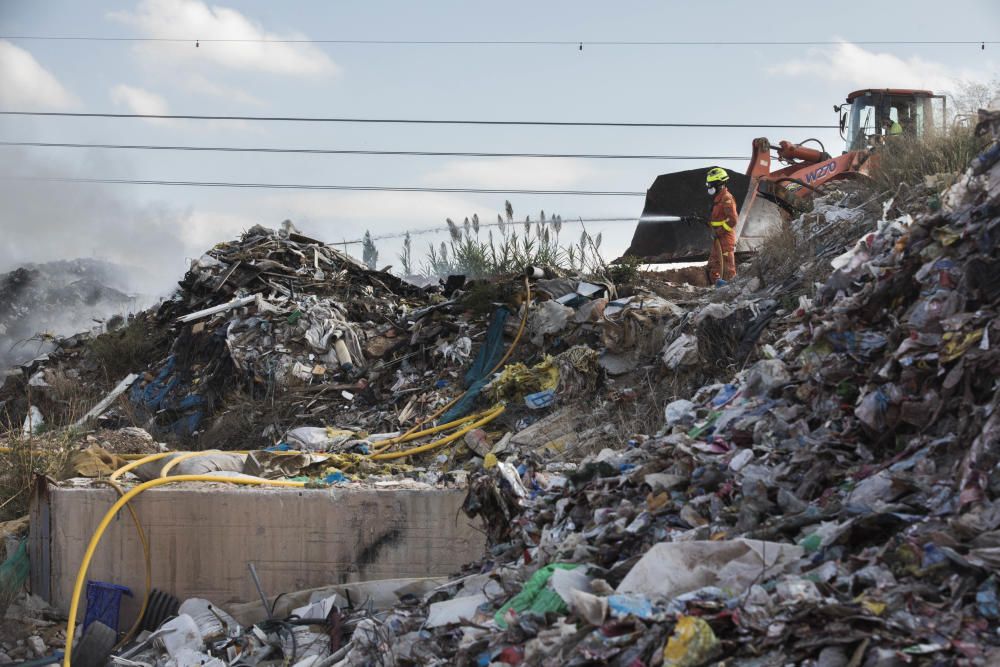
[(722, 259)]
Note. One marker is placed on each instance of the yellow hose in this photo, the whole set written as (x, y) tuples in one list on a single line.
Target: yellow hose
[(149, 458), (137, 460), (420, 449), (184, 457), (146, 556), (385, 444), (81, 575)]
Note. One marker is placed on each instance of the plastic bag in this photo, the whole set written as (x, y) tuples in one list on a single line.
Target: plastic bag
[(693, 643)]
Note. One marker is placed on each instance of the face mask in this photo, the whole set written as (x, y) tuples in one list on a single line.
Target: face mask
[(711, 191)]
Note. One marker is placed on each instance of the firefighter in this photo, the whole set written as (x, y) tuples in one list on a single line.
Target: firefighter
[(722, 258)]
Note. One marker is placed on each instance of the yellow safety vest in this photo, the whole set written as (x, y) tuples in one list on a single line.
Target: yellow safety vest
[(895, 128), (721, 223)]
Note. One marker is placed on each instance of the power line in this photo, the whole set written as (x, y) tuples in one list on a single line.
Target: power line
[(504, 42), (413, 121), (303, 186), (331, 151)]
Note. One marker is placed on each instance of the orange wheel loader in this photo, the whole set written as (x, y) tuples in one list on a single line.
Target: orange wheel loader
[(673, 226)]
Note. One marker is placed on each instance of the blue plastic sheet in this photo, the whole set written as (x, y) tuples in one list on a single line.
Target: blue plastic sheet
[(478, 374), (166, 392)]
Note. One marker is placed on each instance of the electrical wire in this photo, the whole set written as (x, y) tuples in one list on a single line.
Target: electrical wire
[(412, 121), (491, 42), (564, 220), (337, 151), (304, 186)]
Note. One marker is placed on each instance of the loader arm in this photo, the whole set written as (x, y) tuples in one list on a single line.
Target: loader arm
[(776, 195)]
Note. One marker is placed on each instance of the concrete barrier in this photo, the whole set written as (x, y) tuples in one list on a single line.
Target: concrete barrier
[(203, 535)]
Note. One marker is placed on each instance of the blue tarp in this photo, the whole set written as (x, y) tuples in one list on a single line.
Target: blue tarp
[(166, 392), (478, 374)]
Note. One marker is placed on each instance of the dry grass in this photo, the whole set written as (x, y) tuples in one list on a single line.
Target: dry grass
[(781, 255), (126, 350), (19, 466), (795, 254), (909, 160)]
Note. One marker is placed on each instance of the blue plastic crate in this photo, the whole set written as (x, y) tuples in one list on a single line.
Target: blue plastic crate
[(540, 399), (103, 603)]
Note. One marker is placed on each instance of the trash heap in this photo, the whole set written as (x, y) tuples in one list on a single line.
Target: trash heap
[(821, 492), (835, 504), (275, 337), (271, 311)]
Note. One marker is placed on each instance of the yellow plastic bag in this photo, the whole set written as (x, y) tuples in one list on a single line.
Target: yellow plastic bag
[(692, 644), (518, 380)]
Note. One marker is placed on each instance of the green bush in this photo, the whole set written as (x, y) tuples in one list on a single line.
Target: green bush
[(513, 246)]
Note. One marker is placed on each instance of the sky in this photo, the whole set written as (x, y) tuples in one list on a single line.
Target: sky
[(158, 229)]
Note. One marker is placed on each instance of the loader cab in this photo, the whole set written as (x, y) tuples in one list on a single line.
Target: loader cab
[(863, 119)]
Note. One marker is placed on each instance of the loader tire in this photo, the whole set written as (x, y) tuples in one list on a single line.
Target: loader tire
[(94, 647)]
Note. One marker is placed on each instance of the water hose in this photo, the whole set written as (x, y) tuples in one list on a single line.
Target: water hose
[(149, 458), (486, 417), (81, 575), (184, 457), (149, 565), (385, 444), (138, 460), (420, 449)]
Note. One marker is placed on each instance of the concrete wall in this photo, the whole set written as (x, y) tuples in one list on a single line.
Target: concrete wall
[(203, 535)]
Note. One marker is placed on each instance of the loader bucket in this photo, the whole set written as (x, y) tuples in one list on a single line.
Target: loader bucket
[(681, 195), (758, 217)]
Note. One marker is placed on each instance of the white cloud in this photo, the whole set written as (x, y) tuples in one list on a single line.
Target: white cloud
[(193, 18), (855, 66), (25, 84), (516, 172), (198, 84), (140, 101)]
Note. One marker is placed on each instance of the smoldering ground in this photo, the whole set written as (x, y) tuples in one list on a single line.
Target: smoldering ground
[(132, 253)]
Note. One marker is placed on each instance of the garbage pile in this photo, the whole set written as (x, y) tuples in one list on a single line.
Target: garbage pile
[(822, 490), (272, 311), (836, 503)]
